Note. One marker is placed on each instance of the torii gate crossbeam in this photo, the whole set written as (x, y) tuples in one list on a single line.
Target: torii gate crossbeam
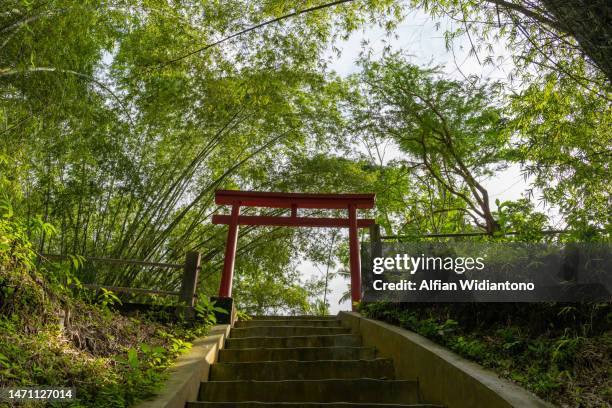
[(237, 199)]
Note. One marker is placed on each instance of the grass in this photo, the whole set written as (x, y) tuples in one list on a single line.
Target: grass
[(560, 352)]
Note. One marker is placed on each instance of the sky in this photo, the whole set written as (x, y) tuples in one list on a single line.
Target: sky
[(418, 37)]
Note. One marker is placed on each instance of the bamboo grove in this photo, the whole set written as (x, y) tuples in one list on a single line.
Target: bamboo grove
[(117, 133)]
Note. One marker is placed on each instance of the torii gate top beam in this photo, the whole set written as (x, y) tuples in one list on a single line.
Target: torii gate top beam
[(289, 200)]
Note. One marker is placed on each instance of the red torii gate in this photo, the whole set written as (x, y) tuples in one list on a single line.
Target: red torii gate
[(237, 199)]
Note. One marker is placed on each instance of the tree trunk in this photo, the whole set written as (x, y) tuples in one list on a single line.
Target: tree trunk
[(590, 23)]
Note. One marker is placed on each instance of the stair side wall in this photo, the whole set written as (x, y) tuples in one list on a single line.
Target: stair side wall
[(189, 371), (444, 377)]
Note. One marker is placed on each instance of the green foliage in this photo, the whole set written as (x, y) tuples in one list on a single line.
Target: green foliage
[(320, 308), (565, 146), (107, 298), (519, 217), (114, 361), (122, 152), (450, 133), (206, 310), (22, 290), (104, 374), (566, 37), (472, 348), (242, 316)]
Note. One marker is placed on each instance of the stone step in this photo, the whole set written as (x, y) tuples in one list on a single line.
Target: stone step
[(301, 317), (344, 340), (364, 390), (380, 368), (286, 331), (293, 322), (252, 404), (297, 353)]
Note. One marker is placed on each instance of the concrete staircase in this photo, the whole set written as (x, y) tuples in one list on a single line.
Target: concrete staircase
[(302, 361)]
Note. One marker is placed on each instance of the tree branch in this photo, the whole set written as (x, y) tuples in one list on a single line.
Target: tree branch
[(11, 71), (249, 29)]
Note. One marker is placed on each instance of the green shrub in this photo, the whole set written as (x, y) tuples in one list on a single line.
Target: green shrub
[(560, 352), (53, 334)]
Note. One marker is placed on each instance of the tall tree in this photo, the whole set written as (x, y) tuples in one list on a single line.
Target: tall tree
[(450, 130)]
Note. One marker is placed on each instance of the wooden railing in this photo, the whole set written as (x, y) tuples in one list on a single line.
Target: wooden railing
[(469, 234), (376, 238), (187, 294)]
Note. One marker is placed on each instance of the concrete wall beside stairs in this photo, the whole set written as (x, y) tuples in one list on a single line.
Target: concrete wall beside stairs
[(443, 376), (189, 370)]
